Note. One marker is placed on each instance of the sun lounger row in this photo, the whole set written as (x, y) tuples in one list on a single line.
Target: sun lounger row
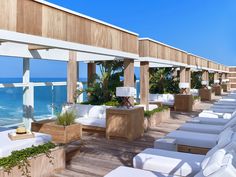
[(217, 135)]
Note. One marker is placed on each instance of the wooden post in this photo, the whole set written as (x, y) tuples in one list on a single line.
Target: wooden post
[(28, 95), (91, 71), (129, 75), (72, 75), (182, 74), (216, 76), (144, 84), (205, 75)]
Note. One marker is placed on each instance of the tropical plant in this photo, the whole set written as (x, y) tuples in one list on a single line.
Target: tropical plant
[(101, 88), (196, 78), (162, 80), (66, 119)]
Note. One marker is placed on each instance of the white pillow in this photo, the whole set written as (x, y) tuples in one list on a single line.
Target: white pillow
[(226, 169), (214, 163), (225, 137), (153, 97), (82, 110), (96, 111)]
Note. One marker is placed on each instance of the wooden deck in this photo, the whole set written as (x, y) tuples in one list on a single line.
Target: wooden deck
[(99, 156)]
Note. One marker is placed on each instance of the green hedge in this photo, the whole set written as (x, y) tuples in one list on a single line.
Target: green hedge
[(148, 114)]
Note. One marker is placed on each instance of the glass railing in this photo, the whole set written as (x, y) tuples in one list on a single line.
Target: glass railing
[(49, 97)]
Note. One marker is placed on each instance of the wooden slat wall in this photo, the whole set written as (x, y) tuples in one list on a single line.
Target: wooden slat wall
[(34, 18), (152, 49)]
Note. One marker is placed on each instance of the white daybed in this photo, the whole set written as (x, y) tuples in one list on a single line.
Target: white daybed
[(89, 115), (194, 92), (165, 99), (7, 145)]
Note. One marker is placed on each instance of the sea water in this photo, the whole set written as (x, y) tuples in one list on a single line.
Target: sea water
[(48, 100)]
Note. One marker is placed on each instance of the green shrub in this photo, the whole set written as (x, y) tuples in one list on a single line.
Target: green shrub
[(65, 119), (148, 114), (20, 158), (196, 98)]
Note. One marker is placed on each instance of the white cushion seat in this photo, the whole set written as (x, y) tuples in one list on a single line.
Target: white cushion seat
[(212, 114), (92, 122), (206, 120), (168, 162), (133, 172), (202, 128), (218, 106), (7, 145), (203, 140), (222, 110)]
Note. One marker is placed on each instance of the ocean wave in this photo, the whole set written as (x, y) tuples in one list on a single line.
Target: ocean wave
[(3, 108)]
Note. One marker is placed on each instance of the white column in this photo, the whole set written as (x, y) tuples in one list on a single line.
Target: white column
[(28, 95)]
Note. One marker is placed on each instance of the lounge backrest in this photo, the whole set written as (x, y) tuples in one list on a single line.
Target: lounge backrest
[(82, 110), (153, 97), (220, 163), (230, 123)]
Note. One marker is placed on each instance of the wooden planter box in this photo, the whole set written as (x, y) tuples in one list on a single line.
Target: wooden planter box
[(225, 87), (60, 134), (125, 123), (206, 94), (41, 165), (217, 89), (156, 119), (183, 103)]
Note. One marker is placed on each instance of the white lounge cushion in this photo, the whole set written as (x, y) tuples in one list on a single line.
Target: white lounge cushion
[(205, 120), (202, 128), (222, 110), (82, 110), (7, 145), (218, 167), (92, 122), (168, 162), (194, 139), (214, 163), (133, 172), (153, 97), (97, 112)]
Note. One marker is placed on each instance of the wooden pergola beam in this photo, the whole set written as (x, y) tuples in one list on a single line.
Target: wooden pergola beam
[(38, 47)]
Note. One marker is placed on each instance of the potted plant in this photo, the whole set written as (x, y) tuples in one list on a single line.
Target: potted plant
[(64, 130), (156, 116)]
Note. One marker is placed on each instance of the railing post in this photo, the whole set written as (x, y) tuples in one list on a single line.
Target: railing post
[(28, 95)]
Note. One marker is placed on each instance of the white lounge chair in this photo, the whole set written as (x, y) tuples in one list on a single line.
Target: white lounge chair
[(7, 145), (204, 128), (216, 115), (201, 140), (182, 164), (209, 121)]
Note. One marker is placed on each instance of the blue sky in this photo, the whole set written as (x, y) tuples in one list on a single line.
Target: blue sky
[(204, 27)]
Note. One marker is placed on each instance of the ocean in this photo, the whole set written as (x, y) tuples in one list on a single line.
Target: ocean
[(44, 100)]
